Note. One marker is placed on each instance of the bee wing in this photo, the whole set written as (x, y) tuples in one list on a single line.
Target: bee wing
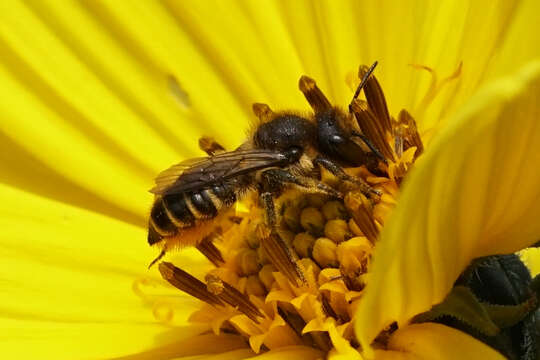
[(198, 173)]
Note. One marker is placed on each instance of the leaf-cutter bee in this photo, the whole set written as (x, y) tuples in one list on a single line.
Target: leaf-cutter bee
[(284, 150)]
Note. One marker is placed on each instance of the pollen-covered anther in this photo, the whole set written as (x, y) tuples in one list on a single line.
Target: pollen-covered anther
[(361, 210), (314, 95), (214, 284)]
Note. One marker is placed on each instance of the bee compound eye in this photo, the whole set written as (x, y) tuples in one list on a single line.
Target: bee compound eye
[(294, 153)]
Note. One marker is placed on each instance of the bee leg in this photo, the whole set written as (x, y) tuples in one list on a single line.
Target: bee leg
[(210, 146), (338, 171), (267, 200), (278, 178)]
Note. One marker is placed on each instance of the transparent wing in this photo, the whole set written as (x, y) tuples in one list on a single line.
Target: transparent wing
[(198, 173)]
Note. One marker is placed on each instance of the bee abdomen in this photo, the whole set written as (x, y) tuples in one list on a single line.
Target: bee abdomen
[(202, 204), (225, 193), (160, 219), (178, 211)]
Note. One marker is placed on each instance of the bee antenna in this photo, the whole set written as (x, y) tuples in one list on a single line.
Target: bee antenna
[(369, 145), (159, 257), (362, 84)]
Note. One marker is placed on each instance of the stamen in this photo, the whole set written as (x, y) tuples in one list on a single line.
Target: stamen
[(314, 95), (375, 98), (281, 256), (411, 137), (362, 212), (210, 146), (233, 297), (372, 127), (187, 283), (208, 249), (263, 112)]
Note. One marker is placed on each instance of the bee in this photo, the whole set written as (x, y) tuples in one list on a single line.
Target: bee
[(284, 150)]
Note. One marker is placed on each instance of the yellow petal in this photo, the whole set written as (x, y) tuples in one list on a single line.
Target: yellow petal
[(229, 355), (290, 352), (521, 41), (474, 193), (67, 280), (435, 341), (531, 258), (196, 345)]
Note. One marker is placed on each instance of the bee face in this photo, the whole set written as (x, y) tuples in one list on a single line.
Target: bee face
[(336, 140)]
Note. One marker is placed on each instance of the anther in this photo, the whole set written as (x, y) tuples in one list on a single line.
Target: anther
[(187, 283), (214, 284), (263, 112), (283, 257), (375, 98), (314, 95), (208, 249), (240, 301), (210, 146), (411, 136), (372, 128), (361, 210)]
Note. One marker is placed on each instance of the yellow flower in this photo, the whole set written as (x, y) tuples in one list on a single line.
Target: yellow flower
[(98, 97)]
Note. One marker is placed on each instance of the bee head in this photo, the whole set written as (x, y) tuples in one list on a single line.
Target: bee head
[(337, 138)]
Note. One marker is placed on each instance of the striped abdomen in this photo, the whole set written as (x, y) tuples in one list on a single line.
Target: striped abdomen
[(173, 212)]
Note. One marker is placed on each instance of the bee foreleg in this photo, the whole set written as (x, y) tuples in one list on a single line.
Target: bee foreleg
[(276, 179), (210, 146), (267, 201), (338, 171)]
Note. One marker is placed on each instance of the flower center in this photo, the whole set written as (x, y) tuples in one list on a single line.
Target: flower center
[(300, 283)]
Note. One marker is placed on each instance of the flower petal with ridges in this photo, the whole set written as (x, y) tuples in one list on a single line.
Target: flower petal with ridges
[(483, 162)]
